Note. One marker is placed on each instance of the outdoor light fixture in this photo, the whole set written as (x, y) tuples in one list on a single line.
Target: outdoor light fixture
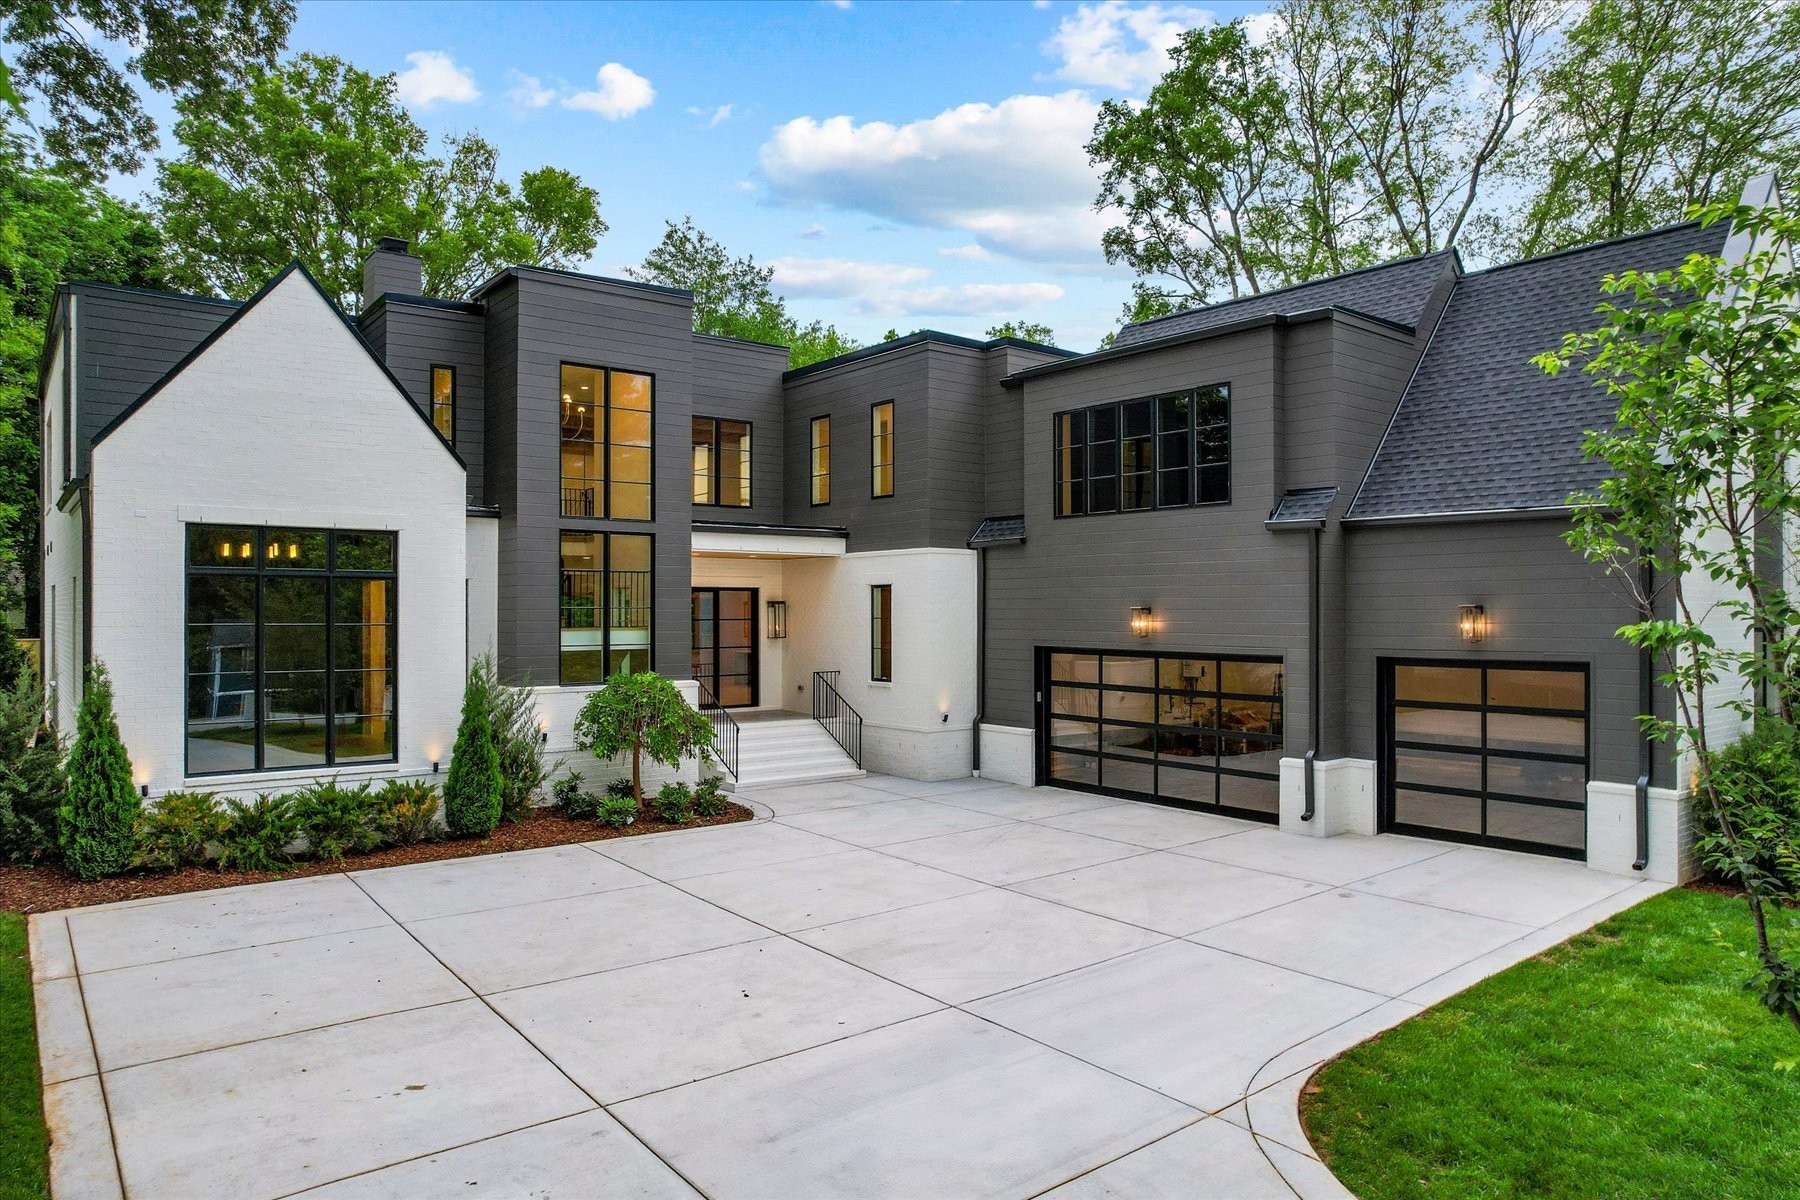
[(1471, 622), (1140, 622), (778, 618), (434, 766), (144, 790)]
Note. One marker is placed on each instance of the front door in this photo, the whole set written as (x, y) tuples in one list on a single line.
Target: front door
[(725, 644)]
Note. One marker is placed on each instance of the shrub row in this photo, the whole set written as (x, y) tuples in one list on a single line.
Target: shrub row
[(674, 804)]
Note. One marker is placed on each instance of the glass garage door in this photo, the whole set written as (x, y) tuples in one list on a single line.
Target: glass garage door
[(1489, 753), (1197, 730)]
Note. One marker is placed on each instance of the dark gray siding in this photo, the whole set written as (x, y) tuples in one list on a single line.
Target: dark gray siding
[(742, 381), (1544, 604), (417, 337), (125, 342), (1003, 429), (956, 441), (536, 322)]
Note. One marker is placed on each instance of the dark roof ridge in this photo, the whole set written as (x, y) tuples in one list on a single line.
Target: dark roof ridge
[(1289, 287), (585, 276), (1567, 251), (920, 338), (157, 292)]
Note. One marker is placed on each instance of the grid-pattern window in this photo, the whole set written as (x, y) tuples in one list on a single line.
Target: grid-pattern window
[(291, 638), (443, 401), (721, 462), (1167, 451), (881, 475), (821, 460), (607, 598), (606, 426), (881, 632), (1185, 729)]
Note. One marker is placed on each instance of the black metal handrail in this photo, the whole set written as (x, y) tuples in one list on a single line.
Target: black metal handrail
[(831, 710), (725, 730)]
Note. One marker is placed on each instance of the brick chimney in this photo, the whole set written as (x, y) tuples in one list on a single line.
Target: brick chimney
[(391, 267)]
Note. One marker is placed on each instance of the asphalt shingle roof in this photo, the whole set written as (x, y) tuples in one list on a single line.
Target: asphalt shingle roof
[(1480, 429), (1394, 291), (999, 531), (1301, 506)]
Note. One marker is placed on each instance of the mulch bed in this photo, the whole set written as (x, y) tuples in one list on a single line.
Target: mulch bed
[(50, 887)]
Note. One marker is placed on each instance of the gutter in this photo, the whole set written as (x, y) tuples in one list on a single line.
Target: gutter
[(980, 655), (1646, 699), (1315, 707)]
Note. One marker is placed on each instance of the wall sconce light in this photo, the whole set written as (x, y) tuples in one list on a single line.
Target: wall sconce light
[(1471, 622), (1140, 622), (434, 766), (777, 618), (144, 790)]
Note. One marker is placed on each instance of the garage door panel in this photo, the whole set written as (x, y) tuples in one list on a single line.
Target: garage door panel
[(1436, 810), (1566, 827)]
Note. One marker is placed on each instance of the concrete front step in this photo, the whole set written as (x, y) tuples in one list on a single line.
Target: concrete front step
[(796, 751)]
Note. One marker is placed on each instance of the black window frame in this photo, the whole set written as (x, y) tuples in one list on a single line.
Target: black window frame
[(449, 435), (1150, 476), (606, 647), (812, 461), (602, 509), (713, 451), (893, 448), (881, 633), (260, 571)]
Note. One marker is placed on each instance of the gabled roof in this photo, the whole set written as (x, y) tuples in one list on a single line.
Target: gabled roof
[(231, 322), (1393, 291), (1480, 430)]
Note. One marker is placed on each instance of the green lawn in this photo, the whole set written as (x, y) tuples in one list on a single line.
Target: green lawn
[(1628, 1062), (24, 1154)]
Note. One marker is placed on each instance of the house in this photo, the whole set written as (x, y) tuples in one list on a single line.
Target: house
[(1295, 557)]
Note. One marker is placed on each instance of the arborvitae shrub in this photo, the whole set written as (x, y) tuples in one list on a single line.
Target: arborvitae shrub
[(97, 824)]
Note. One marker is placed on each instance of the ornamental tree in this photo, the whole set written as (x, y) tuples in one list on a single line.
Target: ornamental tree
[(473, 790), (642, 714), (1703, 362), (97, 823)]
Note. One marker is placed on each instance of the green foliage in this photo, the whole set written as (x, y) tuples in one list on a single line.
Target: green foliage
[(572, 800), (734, 297), (619, 787), (97, 823), (709, 798), (638, 715), (1030, 331), (406, 812), (24, 1139), (517, 742), (674, 803), (473, 790), (1757, 779), (616, 812), (176, 830), (257, 834), (315, 159), (32, 784), (336, 820), (183, 48)]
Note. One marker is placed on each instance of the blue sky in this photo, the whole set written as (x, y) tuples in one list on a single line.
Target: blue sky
[(904, 165)]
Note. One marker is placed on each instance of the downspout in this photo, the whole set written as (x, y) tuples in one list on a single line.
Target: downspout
[(1314, 705), (1646, 698), (980, 656)]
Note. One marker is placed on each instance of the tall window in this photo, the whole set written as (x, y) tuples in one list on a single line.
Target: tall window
[(606, 605), (881, 476), (721, 462), (606, 423), (290, 648), (821, 460), (1168, 451), (881, 632), (443, 401)]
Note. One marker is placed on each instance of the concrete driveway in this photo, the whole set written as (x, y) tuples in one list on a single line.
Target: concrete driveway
[(889, 989)]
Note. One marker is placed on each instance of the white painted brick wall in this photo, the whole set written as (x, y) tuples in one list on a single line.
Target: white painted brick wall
[(769, 577)]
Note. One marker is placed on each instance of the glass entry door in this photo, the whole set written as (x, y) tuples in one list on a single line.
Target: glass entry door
[(725, 644)]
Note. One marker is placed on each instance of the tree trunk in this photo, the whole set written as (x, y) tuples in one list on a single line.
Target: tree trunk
[(637, 774)]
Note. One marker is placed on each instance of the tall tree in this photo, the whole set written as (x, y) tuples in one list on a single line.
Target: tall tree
[(1650, 106), (183, 48), (1030, 331), (734, 297), (316, 159)]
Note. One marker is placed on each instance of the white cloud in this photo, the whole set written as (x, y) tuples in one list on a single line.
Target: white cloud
[(434, 78), (967, 300), (621, 92), (1124, 47), (840, 277), (528, 91), (712, 116), (1013, 174), (842, 4), (974, 250)]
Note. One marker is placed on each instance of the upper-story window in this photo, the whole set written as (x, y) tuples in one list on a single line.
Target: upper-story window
[(721, 462), (443, 401), (606, 425), (1167, 451), (881, 474), (821, 460)]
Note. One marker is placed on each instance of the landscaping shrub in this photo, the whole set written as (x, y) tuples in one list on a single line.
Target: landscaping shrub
[(337, 820), (174, 832), (32, 784), (709, 798), (674, 804), (572, 800), (257, 834), (472, 791), (1758, 779), (97, 823), (406, 812), (642, 714), (619, 787), (518, 741), (616, 812)]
